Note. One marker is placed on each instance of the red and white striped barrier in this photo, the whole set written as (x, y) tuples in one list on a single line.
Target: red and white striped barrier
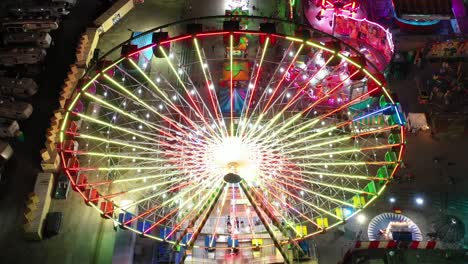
[(422, 245), (375, 244), (395, 244)]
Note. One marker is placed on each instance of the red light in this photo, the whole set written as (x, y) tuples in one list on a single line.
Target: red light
[(212, 33)]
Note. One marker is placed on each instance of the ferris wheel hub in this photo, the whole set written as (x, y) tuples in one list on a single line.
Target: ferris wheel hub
[(232, 178)]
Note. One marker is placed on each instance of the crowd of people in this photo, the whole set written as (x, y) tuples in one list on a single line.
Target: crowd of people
[(448, 88)]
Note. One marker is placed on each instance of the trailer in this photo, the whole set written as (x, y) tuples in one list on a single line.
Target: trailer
[(41, 39), (18, 87), (8, 128), (15, 109), (113, 15), (36, 214), (68, 3), (15, 56), (39, 24), (50, 9)]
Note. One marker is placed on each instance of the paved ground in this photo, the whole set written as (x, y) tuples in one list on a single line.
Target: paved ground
[(85, 237), (81, 229), (431, 181)]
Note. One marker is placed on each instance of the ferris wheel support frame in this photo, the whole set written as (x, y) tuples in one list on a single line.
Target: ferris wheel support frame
[(194, 237), (264, 222)]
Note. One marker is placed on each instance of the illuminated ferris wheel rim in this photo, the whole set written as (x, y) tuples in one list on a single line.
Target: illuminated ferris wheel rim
[(251, 17), (194, 36)]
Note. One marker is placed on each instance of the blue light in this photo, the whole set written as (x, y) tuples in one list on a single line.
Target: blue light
[(416, 23), (347, 212), (398, 115), (373, 113)]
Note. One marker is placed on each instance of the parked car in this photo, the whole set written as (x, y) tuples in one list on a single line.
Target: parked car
[(16, 56), (41, 39), (62, 188), (53, 223), (27, 24), (18, 87), (11, 109), (49, 9), (8, 128)]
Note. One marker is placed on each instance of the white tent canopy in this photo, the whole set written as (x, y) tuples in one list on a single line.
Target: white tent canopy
[(417, 121)]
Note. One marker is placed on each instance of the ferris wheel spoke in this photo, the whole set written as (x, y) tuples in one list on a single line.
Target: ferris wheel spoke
[(142, 103), (109, 125), (113, 195), (193, 95), (114, 142), (146, 177), (317, 208), (299, 92), (175, 198), (118, 110), (165, 203), (137, 134), (263, 97), (272, 124), (193, 104), (273, 212), (333, 186), (314, 223), (252, 88), (161, 220), (264, 221), (307, 190), (307, 174), (209, 85), (231, 84), (344, 151), (162, 97), (335, 127), (347, 163), (207, 199), (284, 125), (282, 109), (218, 218), (272, 96), (167, 100), (314, 121), (164, 193), (111, 155), (332, 140), (117, 168), (209, 208)]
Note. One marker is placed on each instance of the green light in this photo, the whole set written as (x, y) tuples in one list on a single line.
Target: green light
[(97, 121), (85, 136), (118, 110)]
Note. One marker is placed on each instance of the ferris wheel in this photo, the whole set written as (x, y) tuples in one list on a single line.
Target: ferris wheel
[(281, 130)]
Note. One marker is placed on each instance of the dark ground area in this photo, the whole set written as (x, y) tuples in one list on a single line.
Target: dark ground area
[(25, 164)]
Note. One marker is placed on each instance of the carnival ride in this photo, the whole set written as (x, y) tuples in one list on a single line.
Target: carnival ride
[(391, 226), (192, 131)]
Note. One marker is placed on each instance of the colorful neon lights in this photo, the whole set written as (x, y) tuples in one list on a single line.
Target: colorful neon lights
[(309, 160)]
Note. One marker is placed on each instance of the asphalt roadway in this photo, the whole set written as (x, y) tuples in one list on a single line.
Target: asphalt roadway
[(81, 228)]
